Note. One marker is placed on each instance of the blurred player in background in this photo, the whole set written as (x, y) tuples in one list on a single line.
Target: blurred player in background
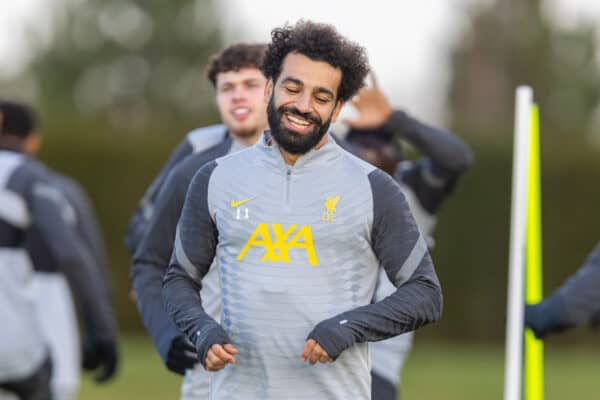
[(426, 182), (239, 91), (575, 303), (239, 101), (57, 247)]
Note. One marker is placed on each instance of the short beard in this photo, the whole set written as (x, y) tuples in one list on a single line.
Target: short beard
[(289, 140)]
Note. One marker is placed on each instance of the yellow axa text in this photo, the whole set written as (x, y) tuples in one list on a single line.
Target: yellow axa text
[(277, 242)]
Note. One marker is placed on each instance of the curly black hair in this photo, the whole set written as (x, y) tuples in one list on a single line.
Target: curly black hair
[(234, 58), (319, 42)]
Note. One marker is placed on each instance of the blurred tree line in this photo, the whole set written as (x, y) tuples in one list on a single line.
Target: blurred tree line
[(122, 80), (511, 43), (136, 65)]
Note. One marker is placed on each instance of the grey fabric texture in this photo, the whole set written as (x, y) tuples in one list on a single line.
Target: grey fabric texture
[(298, 249)]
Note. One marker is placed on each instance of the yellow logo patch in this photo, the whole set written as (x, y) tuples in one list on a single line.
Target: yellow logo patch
[(238, 203), (277, 246), (330, 204)]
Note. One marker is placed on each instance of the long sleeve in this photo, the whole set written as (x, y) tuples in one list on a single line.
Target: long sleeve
[(403, 254), (444, 159), (579, 297), (151, 261), (449, 155), (74, 259), (195, 247)]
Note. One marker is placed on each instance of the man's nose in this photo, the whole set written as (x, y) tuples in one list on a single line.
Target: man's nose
[(239, 93), (303, 103)]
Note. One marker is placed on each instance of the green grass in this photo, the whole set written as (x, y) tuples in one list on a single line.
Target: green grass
[(141, 375), (453, 372), (434, 371)]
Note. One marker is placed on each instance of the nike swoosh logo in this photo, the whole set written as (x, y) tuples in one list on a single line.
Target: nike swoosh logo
[(238, 203)]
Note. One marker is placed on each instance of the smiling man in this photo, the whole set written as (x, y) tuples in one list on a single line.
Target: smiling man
[(298, 259)]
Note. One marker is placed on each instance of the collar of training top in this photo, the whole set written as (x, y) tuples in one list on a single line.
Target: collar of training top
[(315, 158)]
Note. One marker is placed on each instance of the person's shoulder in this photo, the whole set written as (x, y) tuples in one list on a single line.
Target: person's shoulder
[(195, 161), (355, 163), (30, 170), (66, 182), (204, 138), (237, 159)]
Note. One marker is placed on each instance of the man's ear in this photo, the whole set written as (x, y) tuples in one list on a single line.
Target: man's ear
[(336, 111), (268, 90), (32, 144)]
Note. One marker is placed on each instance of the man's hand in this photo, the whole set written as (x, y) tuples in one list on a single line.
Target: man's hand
[(372, 106), (218, 356), (182, 355), (100, 354), (313, 352)]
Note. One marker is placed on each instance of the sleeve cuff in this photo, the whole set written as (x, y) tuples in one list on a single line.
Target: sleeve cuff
[(208, 336), (333, 336)]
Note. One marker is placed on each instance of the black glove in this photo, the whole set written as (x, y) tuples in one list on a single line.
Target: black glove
[(543, 318), (100, 354), (182, 355)]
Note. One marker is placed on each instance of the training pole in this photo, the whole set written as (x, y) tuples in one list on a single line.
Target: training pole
[(514, 315), (534, 348)]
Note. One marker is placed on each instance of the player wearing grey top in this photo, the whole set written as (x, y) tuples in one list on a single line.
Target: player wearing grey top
[(575, 303), (30, 202), (298, 228)]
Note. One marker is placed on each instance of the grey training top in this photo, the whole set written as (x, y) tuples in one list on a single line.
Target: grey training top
[(298, 251)]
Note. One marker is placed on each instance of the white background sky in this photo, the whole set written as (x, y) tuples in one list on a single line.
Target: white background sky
[(407, 42)]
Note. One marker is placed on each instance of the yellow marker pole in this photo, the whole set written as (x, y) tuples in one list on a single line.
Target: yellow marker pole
[(534, 348)]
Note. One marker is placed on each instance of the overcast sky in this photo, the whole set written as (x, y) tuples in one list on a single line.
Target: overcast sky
[(407, 42)]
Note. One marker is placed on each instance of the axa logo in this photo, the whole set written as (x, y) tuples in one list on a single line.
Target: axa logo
[(277, 242), (330, 204)]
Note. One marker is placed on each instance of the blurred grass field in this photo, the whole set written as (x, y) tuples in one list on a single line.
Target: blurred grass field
[(434, 371)]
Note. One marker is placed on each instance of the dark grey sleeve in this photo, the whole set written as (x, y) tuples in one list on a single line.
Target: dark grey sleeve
[(152, 258), (449, 155), (139, 222), (444, 159), (195, 246), (74, 260), (403, 254), (578, 299)]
